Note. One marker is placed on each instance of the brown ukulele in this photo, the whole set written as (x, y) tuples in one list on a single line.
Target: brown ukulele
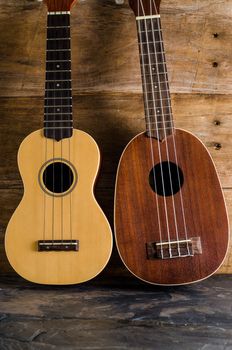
[(170, 217), (58, 234)]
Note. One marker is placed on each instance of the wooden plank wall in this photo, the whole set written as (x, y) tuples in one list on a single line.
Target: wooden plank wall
[(107, 86)]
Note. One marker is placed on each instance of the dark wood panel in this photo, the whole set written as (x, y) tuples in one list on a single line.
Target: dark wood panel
[(116, 314)]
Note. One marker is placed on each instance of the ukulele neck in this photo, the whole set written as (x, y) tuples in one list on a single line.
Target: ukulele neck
[(58, 121), (157, 100)]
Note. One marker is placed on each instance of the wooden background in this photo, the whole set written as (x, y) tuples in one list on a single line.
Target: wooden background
[(107, 86)]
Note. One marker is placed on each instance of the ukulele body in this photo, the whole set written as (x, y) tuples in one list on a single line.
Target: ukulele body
[(141, 214), (74, 216)]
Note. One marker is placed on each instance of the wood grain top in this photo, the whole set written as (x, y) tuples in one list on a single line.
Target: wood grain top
[(142, 216)]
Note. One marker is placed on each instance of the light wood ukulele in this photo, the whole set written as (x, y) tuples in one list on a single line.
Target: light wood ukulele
[(58, 234), (170, 218)]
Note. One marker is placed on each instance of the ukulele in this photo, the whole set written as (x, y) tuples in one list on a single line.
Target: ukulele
[(170, 217), (58, 234)]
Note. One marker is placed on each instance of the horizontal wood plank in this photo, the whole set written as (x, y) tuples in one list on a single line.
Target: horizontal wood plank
[(117, 313), (113, 119)]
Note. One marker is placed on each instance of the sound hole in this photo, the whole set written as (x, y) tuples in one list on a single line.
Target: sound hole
[(166, 179), (58, 177)]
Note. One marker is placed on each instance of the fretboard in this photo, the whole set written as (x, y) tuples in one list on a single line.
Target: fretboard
[(58, 123), (157, 101)]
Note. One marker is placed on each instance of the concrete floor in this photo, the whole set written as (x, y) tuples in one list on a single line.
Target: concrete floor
[(119, 314)]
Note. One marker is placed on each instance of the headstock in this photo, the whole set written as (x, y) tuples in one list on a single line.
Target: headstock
[(145, 7), (59, 5)]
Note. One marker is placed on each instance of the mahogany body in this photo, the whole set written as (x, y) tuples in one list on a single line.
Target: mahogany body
[(136, 220)]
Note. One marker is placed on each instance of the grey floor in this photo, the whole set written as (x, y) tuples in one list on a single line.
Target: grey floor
[(119, 314)]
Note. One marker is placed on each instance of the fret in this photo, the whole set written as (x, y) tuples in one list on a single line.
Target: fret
[(60, 90), (58, 80), (57, 127), (159, 63), (165, 91), (154, 82), (54, 39), (164, 129), (155, 100), (153, 53), (58, 98), (149, 31), (58, 50), (155, 128), (48, 61), (58, 121), (57, 107), (57, 71), (155, 115), (57, 27), (154, 74), (151, 42), (158, 122), (55, 113), (156, 91)]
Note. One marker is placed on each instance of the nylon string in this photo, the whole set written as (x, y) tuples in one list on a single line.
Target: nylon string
[(165, 134), (149, 125), (152, 154), (175, 149)]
